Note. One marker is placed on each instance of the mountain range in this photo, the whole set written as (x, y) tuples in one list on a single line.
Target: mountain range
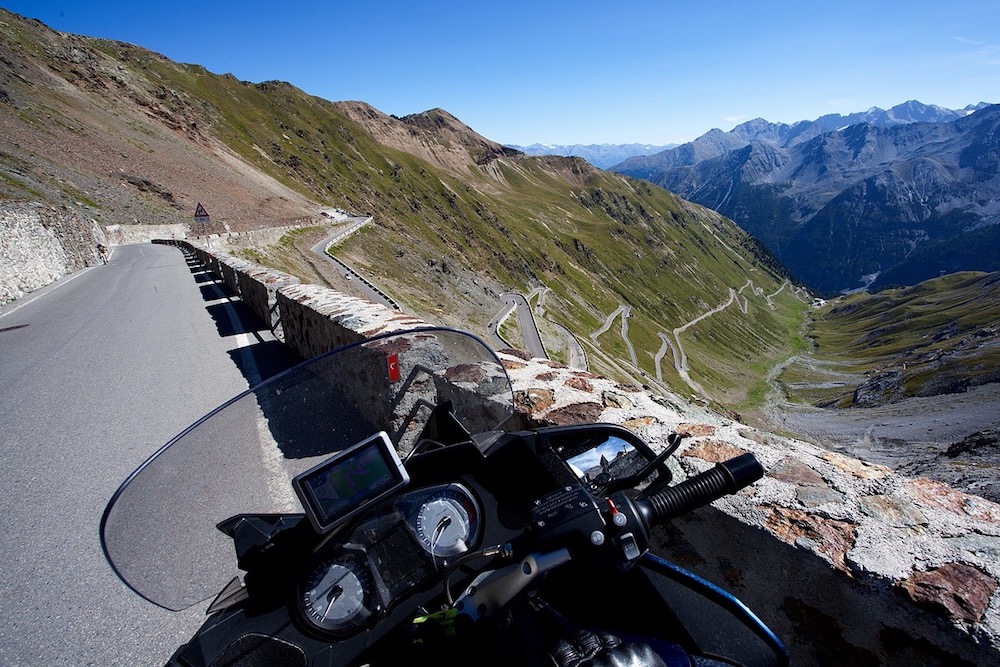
[(876, 199), (603, 156)]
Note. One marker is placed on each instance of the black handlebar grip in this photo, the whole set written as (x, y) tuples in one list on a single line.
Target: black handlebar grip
[(725, 478)]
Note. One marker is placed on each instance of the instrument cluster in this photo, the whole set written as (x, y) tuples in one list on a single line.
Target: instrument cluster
[(389, 552)]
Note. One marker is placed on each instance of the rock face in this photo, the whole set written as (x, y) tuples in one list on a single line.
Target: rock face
[(883, 388), (971, 464), (959, 590), (39, 245)]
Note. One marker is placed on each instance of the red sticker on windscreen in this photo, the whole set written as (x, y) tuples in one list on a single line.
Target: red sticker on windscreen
[(393, 368)]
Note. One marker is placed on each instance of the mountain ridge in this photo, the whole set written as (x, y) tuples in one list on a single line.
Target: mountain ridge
[(434, 135), (602, 156), (716, 141), (890, 187)]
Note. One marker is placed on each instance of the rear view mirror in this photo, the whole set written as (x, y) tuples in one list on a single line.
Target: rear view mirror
[(608, 460), (605, 456)]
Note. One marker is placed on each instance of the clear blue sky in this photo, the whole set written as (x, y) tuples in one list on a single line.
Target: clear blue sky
[(580, 71)]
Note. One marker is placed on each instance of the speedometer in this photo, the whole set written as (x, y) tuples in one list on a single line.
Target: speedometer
[(338, 594), (446, 522)]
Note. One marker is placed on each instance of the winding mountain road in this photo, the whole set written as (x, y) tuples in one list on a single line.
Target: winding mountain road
[(514, 302), (680, 356), (367, 289), (673, 343)]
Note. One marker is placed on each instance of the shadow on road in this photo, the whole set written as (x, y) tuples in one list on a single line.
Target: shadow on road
[(233, 318), (263, 360), (258, 355), (210, 290)]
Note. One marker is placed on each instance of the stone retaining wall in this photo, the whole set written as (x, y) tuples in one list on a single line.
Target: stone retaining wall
[(847, 561), (40, 244)]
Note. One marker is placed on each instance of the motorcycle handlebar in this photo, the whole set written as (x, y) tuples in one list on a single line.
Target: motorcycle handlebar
[(725, 478)]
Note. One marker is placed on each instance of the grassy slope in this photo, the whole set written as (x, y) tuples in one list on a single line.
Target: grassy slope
[(597, 245), (942, 334), (445, 242), (608, 242)]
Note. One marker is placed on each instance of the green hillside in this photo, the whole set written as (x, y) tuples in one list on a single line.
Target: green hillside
[(940, 336), (457, 219)]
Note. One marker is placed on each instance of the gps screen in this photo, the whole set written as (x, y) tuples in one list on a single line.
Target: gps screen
[(344, 484)]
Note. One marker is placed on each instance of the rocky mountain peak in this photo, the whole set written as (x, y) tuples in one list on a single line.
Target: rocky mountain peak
[(434, 135), (840, 205), (437, 118)]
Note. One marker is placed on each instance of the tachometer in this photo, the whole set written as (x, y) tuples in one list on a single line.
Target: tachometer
[(445, 522)]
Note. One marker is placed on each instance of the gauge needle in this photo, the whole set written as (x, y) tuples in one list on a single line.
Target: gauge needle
[(331, 596), (439, 531)]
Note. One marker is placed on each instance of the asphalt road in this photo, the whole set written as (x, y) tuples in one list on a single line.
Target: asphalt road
[(529, 332), (97, 371), (362, 284)]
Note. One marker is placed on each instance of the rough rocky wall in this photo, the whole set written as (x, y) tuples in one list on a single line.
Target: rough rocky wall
[(125, 234), (40, 244), (848, 561), (316, 319)]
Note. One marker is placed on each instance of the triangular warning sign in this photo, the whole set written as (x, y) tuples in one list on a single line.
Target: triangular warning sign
[(200, 213)]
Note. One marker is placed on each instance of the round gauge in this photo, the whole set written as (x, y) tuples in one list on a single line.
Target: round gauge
[(444, 526), (334, 595)]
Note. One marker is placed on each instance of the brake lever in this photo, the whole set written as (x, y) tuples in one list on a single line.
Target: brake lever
[(492, 591)]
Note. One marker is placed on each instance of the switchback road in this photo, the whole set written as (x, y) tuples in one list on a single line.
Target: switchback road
[(97, 371), (367, 289), (526, 321)]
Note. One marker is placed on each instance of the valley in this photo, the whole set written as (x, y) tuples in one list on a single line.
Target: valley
[(903, 378), (940, 336), (918, 436)]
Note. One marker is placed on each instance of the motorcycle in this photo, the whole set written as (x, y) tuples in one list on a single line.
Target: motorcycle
[(367, 507)]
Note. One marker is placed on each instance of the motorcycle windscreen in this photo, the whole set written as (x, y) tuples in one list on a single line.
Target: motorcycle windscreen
[(159, 529)]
